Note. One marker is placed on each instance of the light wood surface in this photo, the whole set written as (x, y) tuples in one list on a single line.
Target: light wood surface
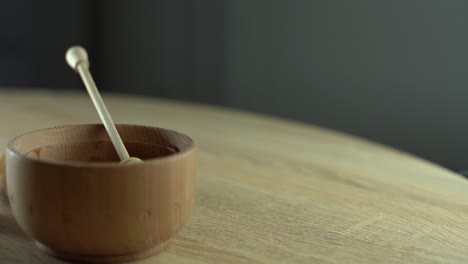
[(273, 191), (80, 208)]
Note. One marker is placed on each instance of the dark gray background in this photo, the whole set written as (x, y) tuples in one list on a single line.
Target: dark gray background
[(391, 71)]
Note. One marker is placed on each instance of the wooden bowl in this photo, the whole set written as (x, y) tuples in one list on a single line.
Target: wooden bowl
[(68, 192)]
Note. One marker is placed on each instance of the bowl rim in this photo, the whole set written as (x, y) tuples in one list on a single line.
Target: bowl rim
[(11, 151)]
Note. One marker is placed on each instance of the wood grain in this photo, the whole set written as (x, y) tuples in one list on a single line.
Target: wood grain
[(274, 191)]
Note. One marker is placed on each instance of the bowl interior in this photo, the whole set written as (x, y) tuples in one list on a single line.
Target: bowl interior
[(90, 143)]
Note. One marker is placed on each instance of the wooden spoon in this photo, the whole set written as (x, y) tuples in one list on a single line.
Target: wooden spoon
[(77, 58)]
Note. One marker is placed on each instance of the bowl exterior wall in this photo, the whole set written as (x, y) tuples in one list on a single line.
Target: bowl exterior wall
[(102, 211)]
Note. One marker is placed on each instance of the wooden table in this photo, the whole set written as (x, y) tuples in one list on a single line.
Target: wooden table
[(273, 191)]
